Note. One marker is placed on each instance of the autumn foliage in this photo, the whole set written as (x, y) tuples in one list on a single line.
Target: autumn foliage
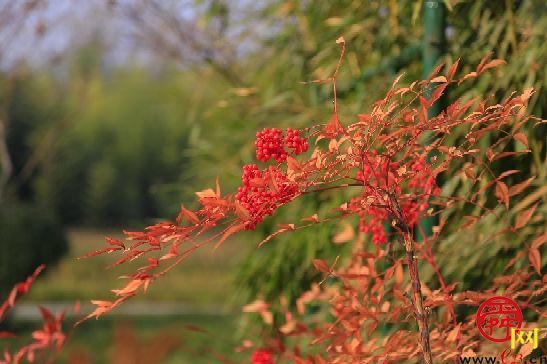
[(386, 164), (46, 341)]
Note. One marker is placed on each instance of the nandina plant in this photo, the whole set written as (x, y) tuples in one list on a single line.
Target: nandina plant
[(386, 163), (46, 341)]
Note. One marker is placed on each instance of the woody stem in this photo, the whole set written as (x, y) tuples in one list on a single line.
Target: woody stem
[(416, 297)]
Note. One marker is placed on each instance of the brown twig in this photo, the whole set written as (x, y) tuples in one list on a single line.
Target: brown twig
[(416, 297)]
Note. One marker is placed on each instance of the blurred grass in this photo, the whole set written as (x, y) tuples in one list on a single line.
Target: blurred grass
[(118, 340), (204, 278)]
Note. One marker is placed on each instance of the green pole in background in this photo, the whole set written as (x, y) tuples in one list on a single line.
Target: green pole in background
[(433, 48)]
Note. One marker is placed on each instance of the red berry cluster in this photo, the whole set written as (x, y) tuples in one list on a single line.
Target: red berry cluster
[(294, 141), (374, 224), (262, 192), (262, 356), (271, 144), (380, 174)]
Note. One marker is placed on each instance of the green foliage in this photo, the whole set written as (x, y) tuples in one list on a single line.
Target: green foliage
[(29, 236), (115, 161)]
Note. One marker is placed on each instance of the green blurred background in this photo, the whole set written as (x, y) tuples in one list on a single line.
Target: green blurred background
[(113, 112)]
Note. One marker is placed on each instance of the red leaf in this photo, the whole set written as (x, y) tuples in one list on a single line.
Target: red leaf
[(535, 259), (502, 193), (493, 63), (334, 126), (435, 71), (518, 188), (438, 92), (524, 217), (114, 242), (483, 62), (189, 215), (452, 70), (521, 137), (423, 110), (439, 79), (314, 218), (468, 76), (129, 289), (241, 212), (539, 241), (229, 231), (284, 228), (7, 335), (321, 265)]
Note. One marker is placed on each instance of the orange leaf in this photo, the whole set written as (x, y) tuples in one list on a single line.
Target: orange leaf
[(284, 228), (189, 215), (218, 188), (321, 265), (292, 164), (114, 242), (535, 259), (256, 306), (438, 92), (346, 234), (493, 63), (242, 212), (502, 193), (521, 137), (399, 273), (334, 126), (423, 111), (524, 217), (129, 289), (539, 241), (518, 188), (206, 193), (508, 154), (439, 79), (483, 62), (452, 70), (453, 335), (229, 231), (314, 218), (468, 76)]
